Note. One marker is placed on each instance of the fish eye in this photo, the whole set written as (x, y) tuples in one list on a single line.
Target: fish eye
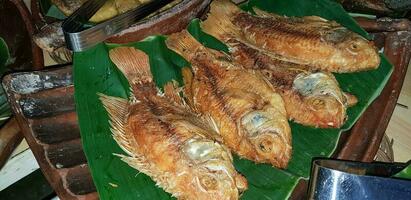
[(317, 103), (266, 145), (208, 182), (354, 47)]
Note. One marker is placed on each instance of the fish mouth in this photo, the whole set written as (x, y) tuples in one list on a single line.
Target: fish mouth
[(327, 110), (274, 149), (220, 186)]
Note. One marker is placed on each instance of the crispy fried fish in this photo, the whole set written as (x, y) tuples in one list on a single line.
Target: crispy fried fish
[(110, 9), (311, 40), (166, 140), (311, 98), (249, 114)]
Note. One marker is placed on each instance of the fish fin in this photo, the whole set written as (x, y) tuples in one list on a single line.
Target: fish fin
[(143, 165), (218, 22), (266, 14), (117, 109), (139, 163), (172, 92), (183, 43), (188, 84), (351, 99), (315, 18), (133, 63)]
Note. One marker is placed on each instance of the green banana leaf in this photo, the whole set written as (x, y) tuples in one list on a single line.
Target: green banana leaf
[(50, 10), (94, 73), (404, 173)]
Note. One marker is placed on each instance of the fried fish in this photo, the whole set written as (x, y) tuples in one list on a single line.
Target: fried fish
[(110, 9), (165, 139), (249, 114), (311, 98), (312, 40)]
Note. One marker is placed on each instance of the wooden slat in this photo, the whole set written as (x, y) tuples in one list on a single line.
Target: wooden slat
[(10, 137), (56, 129), (48, 103), (79, 180), (66, 154)]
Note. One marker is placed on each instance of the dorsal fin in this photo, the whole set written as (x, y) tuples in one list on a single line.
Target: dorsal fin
[(263, 13), (117, 109)]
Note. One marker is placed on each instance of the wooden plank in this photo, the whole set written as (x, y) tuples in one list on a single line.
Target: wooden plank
[(56, 129), (10, 137), (17, 168), (66, 154), (48, 102), (79, 180)]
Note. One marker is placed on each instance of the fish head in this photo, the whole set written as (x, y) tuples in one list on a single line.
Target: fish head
[(323, 97), (216, 174), (328, 111), (354, 52), (270, 135)]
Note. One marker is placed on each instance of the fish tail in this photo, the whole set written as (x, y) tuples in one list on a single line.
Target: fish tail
[(218, 22), (133, 63), (183, 43)]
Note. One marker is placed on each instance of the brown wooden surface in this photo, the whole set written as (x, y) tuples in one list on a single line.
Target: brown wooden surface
[(36, 105), (17, 37), (10, 137), (36, 52), (65, 154), (44, 129), (384, 24)]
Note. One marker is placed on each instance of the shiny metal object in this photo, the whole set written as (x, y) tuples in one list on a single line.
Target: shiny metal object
[(79, 38), (345, 180)]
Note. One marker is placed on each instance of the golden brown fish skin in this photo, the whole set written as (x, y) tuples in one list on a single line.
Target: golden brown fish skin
[(322, 44), (322, 110), (234, 97), (166, 140), (110, 9)]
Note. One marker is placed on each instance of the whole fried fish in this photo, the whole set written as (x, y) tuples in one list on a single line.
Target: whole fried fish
[(110, 9), (311, 98), (249, 114), (166, 140), (311, 40)]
